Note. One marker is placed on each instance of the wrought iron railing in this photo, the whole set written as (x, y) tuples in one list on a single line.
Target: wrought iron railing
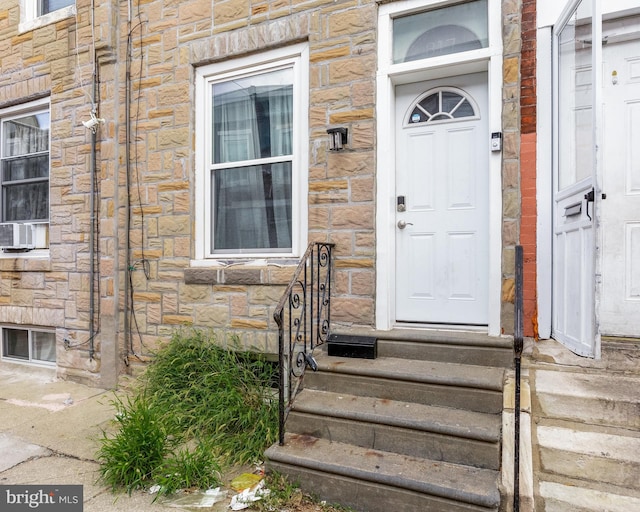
[(303, 315), (518, 343)]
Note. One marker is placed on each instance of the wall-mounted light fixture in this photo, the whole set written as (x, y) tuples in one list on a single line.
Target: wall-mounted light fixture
[(337, 138)]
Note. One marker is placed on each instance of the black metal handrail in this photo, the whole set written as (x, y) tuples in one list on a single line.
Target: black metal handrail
[(303, 315), (518, 343)]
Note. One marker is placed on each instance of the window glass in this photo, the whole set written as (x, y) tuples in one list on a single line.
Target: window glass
[(29, 345), (443, 105), (252, 122), (575, 88), (24, 161), (252, 117), (453, 29), (16, 343), (44, 346), (252, 207), (47, 6)]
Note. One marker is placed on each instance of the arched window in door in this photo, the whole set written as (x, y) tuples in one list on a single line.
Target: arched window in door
[(443, 104)]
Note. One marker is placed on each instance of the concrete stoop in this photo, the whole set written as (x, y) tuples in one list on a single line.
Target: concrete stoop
[(413, 430), (587, 430)]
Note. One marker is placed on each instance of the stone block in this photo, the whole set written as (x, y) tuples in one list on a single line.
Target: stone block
[(241, 276), (174, 225), (266, 295), (352, 21), (352, 310), (352, 69), (246, 323), (177, 320), (353, 217), (211, 316)]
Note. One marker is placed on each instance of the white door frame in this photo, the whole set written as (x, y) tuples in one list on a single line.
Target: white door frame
[(388, 76)]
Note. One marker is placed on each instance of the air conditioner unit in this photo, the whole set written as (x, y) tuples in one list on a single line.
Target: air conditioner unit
[(15, 235)]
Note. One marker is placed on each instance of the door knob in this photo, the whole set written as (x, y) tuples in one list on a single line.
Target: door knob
[(402, 224)]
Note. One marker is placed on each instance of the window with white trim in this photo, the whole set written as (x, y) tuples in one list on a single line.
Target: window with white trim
[(24, 171), (252, 162), (37, 13), (29, 345)]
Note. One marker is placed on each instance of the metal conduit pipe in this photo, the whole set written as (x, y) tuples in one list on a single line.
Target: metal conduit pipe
[(127, 122), (92, 252)]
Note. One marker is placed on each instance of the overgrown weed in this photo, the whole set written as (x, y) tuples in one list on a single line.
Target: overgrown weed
[(200, 408)]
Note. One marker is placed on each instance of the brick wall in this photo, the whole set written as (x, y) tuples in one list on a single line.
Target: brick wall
[(528, 99)]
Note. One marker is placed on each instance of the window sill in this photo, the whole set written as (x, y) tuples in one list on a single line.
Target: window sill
[(272, 272), (41, 368), (35, 260), (47, 19)]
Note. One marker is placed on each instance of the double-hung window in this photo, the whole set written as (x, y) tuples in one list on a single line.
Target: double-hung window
[(24, 165), (47, 6), (36, 13), (252, 128)]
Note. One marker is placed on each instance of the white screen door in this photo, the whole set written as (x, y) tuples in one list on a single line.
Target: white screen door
[(574, 180)]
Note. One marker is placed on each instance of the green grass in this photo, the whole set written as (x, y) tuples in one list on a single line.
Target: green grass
[(200, 408)]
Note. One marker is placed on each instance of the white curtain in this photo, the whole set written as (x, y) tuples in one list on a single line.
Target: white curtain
[(26, 157), (252, 204)]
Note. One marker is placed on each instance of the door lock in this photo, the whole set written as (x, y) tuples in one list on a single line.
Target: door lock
[(402, 224)]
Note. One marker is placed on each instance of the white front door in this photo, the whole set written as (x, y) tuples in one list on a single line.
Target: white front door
[(620, 297), (441, 196)]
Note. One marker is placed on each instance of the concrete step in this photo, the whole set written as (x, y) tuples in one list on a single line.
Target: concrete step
[(377, 481), (450, 347), (560, 497), (619, 356), (438, 433), (457, 386), (604, 457), (590, 398)]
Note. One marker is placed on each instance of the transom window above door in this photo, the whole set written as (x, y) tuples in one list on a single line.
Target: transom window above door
[(445, 104), (450, 29)]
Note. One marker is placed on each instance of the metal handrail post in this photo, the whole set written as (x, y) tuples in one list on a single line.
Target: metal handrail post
[(518, 343)]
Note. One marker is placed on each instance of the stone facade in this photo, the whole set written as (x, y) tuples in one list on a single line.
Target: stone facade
[(149, 184)]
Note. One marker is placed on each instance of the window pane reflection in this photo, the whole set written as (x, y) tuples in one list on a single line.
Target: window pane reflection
[(454, 29)]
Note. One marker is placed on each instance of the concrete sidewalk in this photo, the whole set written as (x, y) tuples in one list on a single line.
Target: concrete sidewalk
[(49, 431)]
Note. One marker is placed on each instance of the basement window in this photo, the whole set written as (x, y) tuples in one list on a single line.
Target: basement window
[(29, 345)]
